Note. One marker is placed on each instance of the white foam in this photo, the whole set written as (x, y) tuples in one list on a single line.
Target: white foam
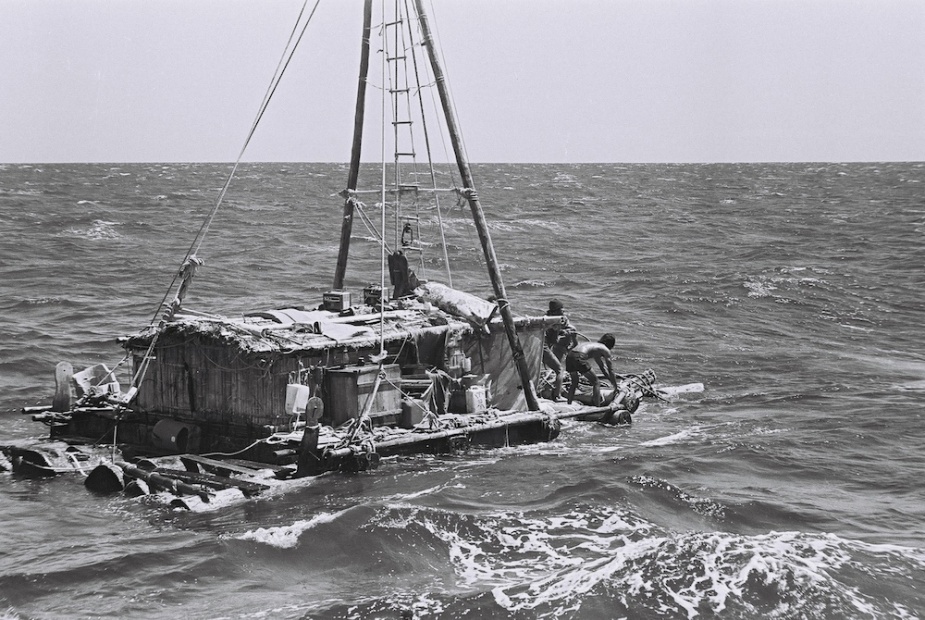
[(550, 565), (687, 572), (759, 289), (99, 229), (679, 437), (287, 536)]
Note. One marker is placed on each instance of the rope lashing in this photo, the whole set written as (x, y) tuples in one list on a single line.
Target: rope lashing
[(186, 273)]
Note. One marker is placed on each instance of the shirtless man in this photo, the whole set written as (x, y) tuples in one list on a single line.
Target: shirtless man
[(578, 362), (559, 339)]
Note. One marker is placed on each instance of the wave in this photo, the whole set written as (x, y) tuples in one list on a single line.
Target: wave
[(596, 562), (791, 292), (287, 536), (98, 229), (788, 574)]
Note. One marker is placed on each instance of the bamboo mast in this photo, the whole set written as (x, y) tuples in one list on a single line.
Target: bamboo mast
[(354, 173), (477, 214)]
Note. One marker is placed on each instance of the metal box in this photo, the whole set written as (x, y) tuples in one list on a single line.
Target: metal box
[(372, 295), (335, 301)]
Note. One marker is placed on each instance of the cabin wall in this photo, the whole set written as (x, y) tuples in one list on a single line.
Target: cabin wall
[(199, 380), (203, 382), (211, 381), (492, 355)]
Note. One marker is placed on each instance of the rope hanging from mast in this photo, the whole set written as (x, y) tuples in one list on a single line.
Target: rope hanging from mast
[(191, 262), (401, 80), (433, 176), (288, 52), (478, 216)]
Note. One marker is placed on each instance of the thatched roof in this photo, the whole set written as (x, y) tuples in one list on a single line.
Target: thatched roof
[(435, 309)]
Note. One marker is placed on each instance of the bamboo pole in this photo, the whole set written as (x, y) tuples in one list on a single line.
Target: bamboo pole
[(525, 417), (354, 173), (477, 214)]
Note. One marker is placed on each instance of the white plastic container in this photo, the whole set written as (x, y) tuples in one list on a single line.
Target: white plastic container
[(296, 398), (476, 399)]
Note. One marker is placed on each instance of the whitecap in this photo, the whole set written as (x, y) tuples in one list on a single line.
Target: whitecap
[(99, 229), (759, 289), (673, 439), (686, 574), (287, 536)]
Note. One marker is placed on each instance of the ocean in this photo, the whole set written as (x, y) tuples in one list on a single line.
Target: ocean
[(791, 487)]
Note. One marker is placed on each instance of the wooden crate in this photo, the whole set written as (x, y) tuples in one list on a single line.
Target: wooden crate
[(348, 388)]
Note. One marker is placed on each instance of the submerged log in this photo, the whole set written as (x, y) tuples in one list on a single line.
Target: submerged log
[(163, 482), (107, 477), (36, 409), (137, 488), (214, 481)]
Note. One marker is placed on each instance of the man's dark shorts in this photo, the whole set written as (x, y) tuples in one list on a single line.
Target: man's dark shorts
[(575, 364)]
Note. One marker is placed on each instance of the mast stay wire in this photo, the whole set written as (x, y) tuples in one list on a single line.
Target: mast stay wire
[(382, 254), (282, 65), (430, 159), (386, 85), (438, 48)]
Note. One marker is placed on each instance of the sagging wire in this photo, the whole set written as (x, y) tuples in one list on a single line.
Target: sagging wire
[(370, 227), (282, 65), (190, 258)]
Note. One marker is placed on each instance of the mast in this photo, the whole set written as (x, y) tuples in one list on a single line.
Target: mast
[(477, 214), (354, 173)]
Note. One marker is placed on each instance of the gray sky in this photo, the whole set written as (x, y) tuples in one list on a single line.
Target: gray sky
[(533, 81)]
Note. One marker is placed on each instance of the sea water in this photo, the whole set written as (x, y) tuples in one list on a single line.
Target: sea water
[(791, 487)]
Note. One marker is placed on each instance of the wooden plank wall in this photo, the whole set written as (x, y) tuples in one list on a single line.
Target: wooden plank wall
[(198, 381)]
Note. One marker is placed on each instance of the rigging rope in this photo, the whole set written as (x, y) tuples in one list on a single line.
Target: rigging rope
[(382, 256), (430, 159), (370, 227), (282, 65), (395, 83), (288, 52)]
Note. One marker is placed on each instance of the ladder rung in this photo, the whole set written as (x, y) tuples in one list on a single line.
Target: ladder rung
[(395, 23), (366, 192), (404, 154), (402, 122), (391, 58)]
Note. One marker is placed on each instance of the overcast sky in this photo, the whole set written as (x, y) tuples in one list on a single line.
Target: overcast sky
[(533, 80)]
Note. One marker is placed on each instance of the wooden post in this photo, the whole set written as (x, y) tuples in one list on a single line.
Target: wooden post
[(310, 457), (354, 173), (478, 215), (62, 401), (309, 463)]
